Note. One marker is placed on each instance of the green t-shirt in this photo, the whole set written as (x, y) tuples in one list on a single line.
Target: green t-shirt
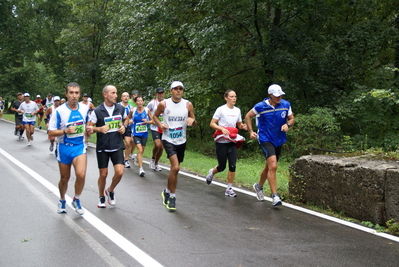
[(131, 103)]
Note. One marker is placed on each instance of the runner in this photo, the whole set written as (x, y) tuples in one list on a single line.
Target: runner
[(85, 100), (133, 147), (110, 120), (29, 109), (141, 118), (224, 121), (48, 102), (68, 126), (155, 131), (39, 114), (178, 113), (19, 127), (274, 117), (1, 107), (47, 117), (127, 136)]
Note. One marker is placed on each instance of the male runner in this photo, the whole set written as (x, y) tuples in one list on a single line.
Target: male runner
[(178, 113), (19, 127), (29, 109), (156, 132), (47, 117), (110, 120), (68, 125)]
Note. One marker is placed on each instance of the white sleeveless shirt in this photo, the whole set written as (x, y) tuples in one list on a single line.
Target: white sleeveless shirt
[(175, 115)]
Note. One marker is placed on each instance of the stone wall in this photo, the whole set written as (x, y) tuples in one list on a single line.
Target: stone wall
[(361, 188)]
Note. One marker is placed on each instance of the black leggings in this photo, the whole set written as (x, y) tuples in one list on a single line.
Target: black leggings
[(224, 152)]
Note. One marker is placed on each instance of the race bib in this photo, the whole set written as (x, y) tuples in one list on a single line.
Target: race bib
[(79, 129), (160, 117), (28, 115), (113, 123), (176, 133), (141, 127)]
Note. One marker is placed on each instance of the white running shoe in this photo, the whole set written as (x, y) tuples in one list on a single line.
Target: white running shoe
[(135, 160), (230, 192), (110, 197), (157, 168), (127, 164), (31, 137), (259, 192), (152, 164), (209, 177), (28, 144), (142, 172), (276, 201)]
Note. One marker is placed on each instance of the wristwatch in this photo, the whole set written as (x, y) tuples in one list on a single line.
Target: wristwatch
[(289, 124)]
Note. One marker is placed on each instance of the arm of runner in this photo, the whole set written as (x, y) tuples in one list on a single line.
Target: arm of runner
[(191, 116), (159, 111), (248, 121)]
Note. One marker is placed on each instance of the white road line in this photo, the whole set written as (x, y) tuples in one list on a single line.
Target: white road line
[(136, 253)]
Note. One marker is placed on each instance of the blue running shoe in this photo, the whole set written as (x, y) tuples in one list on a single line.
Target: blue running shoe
[(61, 206), (78, 208)]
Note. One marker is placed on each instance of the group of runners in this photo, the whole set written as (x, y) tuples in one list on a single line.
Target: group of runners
[(122, 127)]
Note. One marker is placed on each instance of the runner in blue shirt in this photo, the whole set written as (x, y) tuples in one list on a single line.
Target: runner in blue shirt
[(68, 124), (274, 117)]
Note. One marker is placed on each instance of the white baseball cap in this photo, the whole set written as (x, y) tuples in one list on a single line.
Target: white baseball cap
[(56, 98), (275, 90), (26, 94), (176, 84), (38, 96)]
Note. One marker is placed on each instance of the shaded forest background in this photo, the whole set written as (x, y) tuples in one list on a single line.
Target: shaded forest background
[(336, 60)]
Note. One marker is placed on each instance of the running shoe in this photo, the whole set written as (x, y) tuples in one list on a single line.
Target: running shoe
[(31, 137), (20, 138), (142, 172), (78, 208), (157, 168), (259, 192), (209, 177), (40, 127), (110, 197), (101, 203), (152, 164), (165, 197), (135, 160), (28, 144), (61, 206), (127, 164), (51, 147), (15, 132), (131, 156), (230, 192), (171, 204), (276, 201)]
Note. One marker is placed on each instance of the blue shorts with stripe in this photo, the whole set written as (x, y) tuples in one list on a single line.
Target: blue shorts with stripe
[(66, 152)]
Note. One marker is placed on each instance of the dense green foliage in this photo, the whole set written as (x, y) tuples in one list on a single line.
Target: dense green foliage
[(336, 60)]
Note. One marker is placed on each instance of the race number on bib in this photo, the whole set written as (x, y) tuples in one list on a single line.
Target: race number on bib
[(113, 123), (176, 133), (28, 115), (79, 129), (141, 127), (160, 117)]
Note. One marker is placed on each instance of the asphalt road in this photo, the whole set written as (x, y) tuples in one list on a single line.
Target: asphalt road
[(208, 229)]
